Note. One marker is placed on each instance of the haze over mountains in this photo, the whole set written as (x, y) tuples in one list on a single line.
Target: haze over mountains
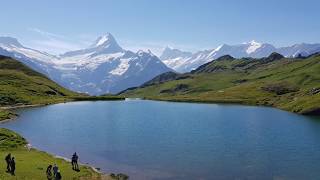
[(105, 67), (182, 61)]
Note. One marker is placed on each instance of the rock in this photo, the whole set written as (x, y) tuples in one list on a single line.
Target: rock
[(280, 88), (178, 88), (239, 81), (181, 87), (314, 91)]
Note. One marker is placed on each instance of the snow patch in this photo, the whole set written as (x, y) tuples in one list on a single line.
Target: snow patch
[(102, 40), (122, 67), (253, 46)]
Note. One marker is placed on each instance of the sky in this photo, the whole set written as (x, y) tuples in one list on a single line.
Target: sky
[(62, 25)]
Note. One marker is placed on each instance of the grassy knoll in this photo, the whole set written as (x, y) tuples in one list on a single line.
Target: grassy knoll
[(289, 84), (32, 164)]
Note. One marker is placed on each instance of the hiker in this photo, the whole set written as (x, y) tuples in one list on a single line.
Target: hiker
[(74, 162), (49, 173), (8, 160), (55, 170), (58, 175), (12, 166)]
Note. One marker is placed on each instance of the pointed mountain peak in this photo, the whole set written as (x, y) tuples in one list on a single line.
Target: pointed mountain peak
[(105, 39), (106, 44), (9, 41)]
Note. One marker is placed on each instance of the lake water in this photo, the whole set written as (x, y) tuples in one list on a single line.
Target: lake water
[(166, 140)]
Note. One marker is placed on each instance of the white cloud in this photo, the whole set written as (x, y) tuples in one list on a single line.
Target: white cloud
[(53, 46), (54, 43), (45, 33)]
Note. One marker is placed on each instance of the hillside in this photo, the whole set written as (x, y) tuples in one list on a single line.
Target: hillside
[(285, 83), (20, 86)]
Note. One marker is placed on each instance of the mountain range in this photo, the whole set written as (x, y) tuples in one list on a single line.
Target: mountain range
[(105, 67), (182, 61)]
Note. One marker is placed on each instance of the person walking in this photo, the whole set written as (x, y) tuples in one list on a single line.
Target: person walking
[(58, 175), (49, 173), (8, 160), (55, 170), (12, 166)]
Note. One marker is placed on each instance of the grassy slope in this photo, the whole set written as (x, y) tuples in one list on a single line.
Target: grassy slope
[(20, 85), (32, 164), (244, 81)]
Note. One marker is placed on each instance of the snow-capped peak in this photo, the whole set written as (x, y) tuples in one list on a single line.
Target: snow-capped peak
[(105, 40), (9, 41), (253, 46), (252, 42), (105, 44)]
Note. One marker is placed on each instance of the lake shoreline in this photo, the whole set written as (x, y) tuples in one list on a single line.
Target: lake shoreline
[(90, 129), (14, 116), (313, 112)]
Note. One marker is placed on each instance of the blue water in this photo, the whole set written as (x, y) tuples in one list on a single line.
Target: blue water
[(165, 140)]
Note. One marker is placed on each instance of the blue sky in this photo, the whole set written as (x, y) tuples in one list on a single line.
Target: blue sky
[(61, 25)]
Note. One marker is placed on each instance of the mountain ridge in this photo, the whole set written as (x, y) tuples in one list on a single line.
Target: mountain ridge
[(105, 67), (182, 63)]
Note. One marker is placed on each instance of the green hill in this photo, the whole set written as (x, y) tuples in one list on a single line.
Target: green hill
[(289, 84), (20, 86)]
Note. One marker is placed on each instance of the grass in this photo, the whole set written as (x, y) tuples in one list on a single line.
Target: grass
[(286, 84), (32, 164), (5, 114)]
